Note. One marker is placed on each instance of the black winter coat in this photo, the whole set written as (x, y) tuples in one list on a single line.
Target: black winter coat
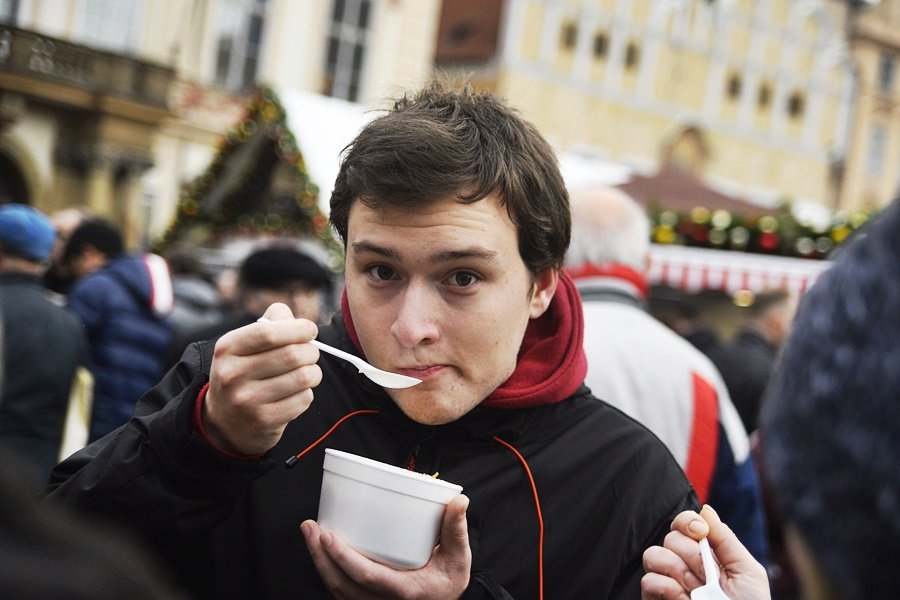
[(746, 365), (42, 345), (607, 487)]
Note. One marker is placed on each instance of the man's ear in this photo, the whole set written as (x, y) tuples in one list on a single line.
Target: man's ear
[(544, 288)]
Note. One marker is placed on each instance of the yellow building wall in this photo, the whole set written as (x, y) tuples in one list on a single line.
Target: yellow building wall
[(760, 148), (640, 10), (681, 78), (739, 41), (627, 132), (878, 31), (530, 44)]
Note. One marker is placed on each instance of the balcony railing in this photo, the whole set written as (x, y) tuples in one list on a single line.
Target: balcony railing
[(28, 53)]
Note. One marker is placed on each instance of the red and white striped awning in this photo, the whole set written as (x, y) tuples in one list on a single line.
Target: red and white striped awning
[(697, 269)]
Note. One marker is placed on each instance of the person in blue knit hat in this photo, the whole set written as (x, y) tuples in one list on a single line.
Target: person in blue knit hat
[(26, 232), (830, 441), (43, 344)]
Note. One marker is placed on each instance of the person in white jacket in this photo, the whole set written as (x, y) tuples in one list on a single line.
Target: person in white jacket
[(650, 372)]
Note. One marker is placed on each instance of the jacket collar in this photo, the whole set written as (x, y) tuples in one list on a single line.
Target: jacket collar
[(611, 275)]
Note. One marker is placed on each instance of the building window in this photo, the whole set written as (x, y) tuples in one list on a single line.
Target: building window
[(601, 45), (876, 150), (8, 10), (111, 24), (12, 183), (733, 87), (632, 55), (239, 30), (568, 37), (796, 104), (764, 96), (886, 68), (346, 48)]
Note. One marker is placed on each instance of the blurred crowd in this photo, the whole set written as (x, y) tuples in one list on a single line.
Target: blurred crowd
[(90, 326)]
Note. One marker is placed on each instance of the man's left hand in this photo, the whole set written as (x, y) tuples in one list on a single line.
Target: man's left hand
[(350, 575)]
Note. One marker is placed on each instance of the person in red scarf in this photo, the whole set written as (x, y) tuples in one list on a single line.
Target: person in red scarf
[(455, 223), (650, 372)]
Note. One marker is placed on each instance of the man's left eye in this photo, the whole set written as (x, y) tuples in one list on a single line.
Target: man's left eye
[(463, 279)]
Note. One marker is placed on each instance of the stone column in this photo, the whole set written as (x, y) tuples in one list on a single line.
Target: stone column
[(99, 186)]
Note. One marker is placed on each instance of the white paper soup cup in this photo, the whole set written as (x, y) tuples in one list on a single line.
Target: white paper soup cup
[(389, 514)]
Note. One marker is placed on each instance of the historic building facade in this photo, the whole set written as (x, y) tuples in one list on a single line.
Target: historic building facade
[(871, 171), (114, 104), (766, 99)]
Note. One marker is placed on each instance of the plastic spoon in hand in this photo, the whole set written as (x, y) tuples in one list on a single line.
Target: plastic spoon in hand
[(712, 590), (382, 378)]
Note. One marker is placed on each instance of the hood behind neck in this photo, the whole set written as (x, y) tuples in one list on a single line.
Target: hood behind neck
[(146, 278)]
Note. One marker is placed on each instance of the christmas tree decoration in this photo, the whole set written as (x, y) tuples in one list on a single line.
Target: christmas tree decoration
[(257, 185)]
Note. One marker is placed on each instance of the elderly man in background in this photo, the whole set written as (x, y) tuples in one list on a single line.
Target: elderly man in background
[(654, 375)]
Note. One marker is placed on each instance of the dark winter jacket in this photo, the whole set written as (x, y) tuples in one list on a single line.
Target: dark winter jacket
[(181, 340), (197, 303), (607, 488), (120, 305), (746, 365), (42, 346)]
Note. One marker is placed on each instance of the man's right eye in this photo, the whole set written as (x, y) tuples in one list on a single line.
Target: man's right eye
[(381, 272)]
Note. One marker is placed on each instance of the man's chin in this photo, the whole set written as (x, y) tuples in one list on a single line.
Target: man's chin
[(424, 413), (430, 417)]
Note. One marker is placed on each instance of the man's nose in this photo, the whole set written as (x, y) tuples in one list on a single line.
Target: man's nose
[(417, 315)]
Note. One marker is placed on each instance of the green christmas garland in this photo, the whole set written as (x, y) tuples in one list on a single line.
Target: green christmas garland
[(780, 234)]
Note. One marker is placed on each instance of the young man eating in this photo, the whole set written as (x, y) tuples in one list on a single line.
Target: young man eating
[(455, 222)]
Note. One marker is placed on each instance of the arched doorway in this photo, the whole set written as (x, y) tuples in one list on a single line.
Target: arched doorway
[(12, 183), (687, 150)]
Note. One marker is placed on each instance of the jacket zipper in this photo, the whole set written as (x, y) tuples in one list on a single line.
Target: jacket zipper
[(411, 459)]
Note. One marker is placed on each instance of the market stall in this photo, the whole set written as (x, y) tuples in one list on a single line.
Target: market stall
[(694, 270)]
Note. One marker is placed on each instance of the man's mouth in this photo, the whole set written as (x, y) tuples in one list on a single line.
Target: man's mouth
[(423, 372)]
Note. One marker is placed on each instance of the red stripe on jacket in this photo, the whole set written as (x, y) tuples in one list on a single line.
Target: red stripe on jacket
[(704, 442)]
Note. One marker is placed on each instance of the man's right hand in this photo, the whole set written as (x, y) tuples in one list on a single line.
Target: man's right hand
[(261, 379)]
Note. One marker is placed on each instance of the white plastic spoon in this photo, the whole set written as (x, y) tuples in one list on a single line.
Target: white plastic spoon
[(712, 590), (382, 378)]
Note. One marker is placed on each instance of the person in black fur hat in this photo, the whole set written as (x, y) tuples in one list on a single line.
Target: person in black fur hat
[(271, 274), (830, 439)]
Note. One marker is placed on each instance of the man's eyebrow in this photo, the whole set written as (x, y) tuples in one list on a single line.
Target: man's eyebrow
[(475, 252), (374, 249)]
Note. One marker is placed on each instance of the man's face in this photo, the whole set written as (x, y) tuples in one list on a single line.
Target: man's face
[(303, 299), (87, 261), (441, 294)]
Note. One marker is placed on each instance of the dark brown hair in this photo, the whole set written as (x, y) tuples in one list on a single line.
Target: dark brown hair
[(442, 142), (99, 233)]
